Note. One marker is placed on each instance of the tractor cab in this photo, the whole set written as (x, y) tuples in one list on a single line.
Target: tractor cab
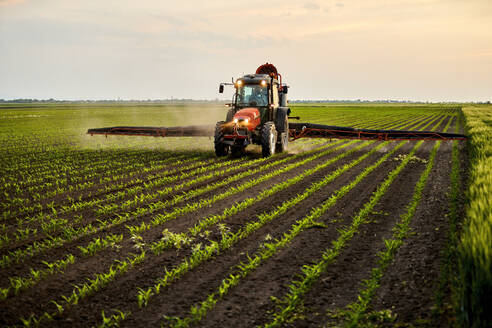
[(258, 91)]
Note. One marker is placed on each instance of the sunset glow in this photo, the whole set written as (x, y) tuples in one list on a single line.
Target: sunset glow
[(427, 50)]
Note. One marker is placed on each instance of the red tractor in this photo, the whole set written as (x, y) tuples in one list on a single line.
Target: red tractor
[(258, 114)]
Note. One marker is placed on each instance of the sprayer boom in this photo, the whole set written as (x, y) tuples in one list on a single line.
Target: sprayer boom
[(296, 131), (152, 131)]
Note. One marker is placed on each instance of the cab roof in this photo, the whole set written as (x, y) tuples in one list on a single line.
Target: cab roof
[(257, 78)]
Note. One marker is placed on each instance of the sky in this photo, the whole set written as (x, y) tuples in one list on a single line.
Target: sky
[(419, 50)]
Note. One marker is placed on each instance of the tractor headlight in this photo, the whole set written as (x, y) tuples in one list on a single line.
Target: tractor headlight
[(263, 83), (235, 120), (246, 121)]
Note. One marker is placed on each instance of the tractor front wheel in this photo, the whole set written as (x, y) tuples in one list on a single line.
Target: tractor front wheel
[(221, 149), (268, 139)]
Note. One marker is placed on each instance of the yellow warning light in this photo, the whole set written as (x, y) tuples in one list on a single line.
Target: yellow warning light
[(239, 82), (263, 83), (246, 121)]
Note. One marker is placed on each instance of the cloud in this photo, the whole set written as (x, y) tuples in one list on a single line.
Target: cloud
[(94, 44)]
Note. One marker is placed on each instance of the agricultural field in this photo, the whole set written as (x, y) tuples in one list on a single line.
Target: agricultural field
[(142, 232)]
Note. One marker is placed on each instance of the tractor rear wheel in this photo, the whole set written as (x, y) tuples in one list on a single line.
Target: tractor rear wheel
[(268, 139), (282, 126), (221, 149)]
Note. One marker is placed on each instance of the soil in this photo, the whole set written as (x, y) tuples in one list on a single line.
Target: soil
[(407, 288)]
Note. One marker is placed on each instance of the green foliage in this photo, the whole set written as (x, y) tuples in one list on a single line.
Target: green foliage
[(100, 243), (475, 249)]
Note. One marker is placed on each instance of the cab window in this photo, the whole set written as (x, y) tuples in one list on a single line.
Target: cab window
[(252, 95)]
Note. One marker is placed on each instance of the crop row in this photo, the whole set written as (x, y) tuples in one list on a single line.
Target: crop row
[(448, 280), (475, 249)]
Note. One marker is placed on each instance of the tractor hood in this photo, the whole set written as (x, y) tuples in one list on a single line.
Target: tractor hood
[(249, 117)]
